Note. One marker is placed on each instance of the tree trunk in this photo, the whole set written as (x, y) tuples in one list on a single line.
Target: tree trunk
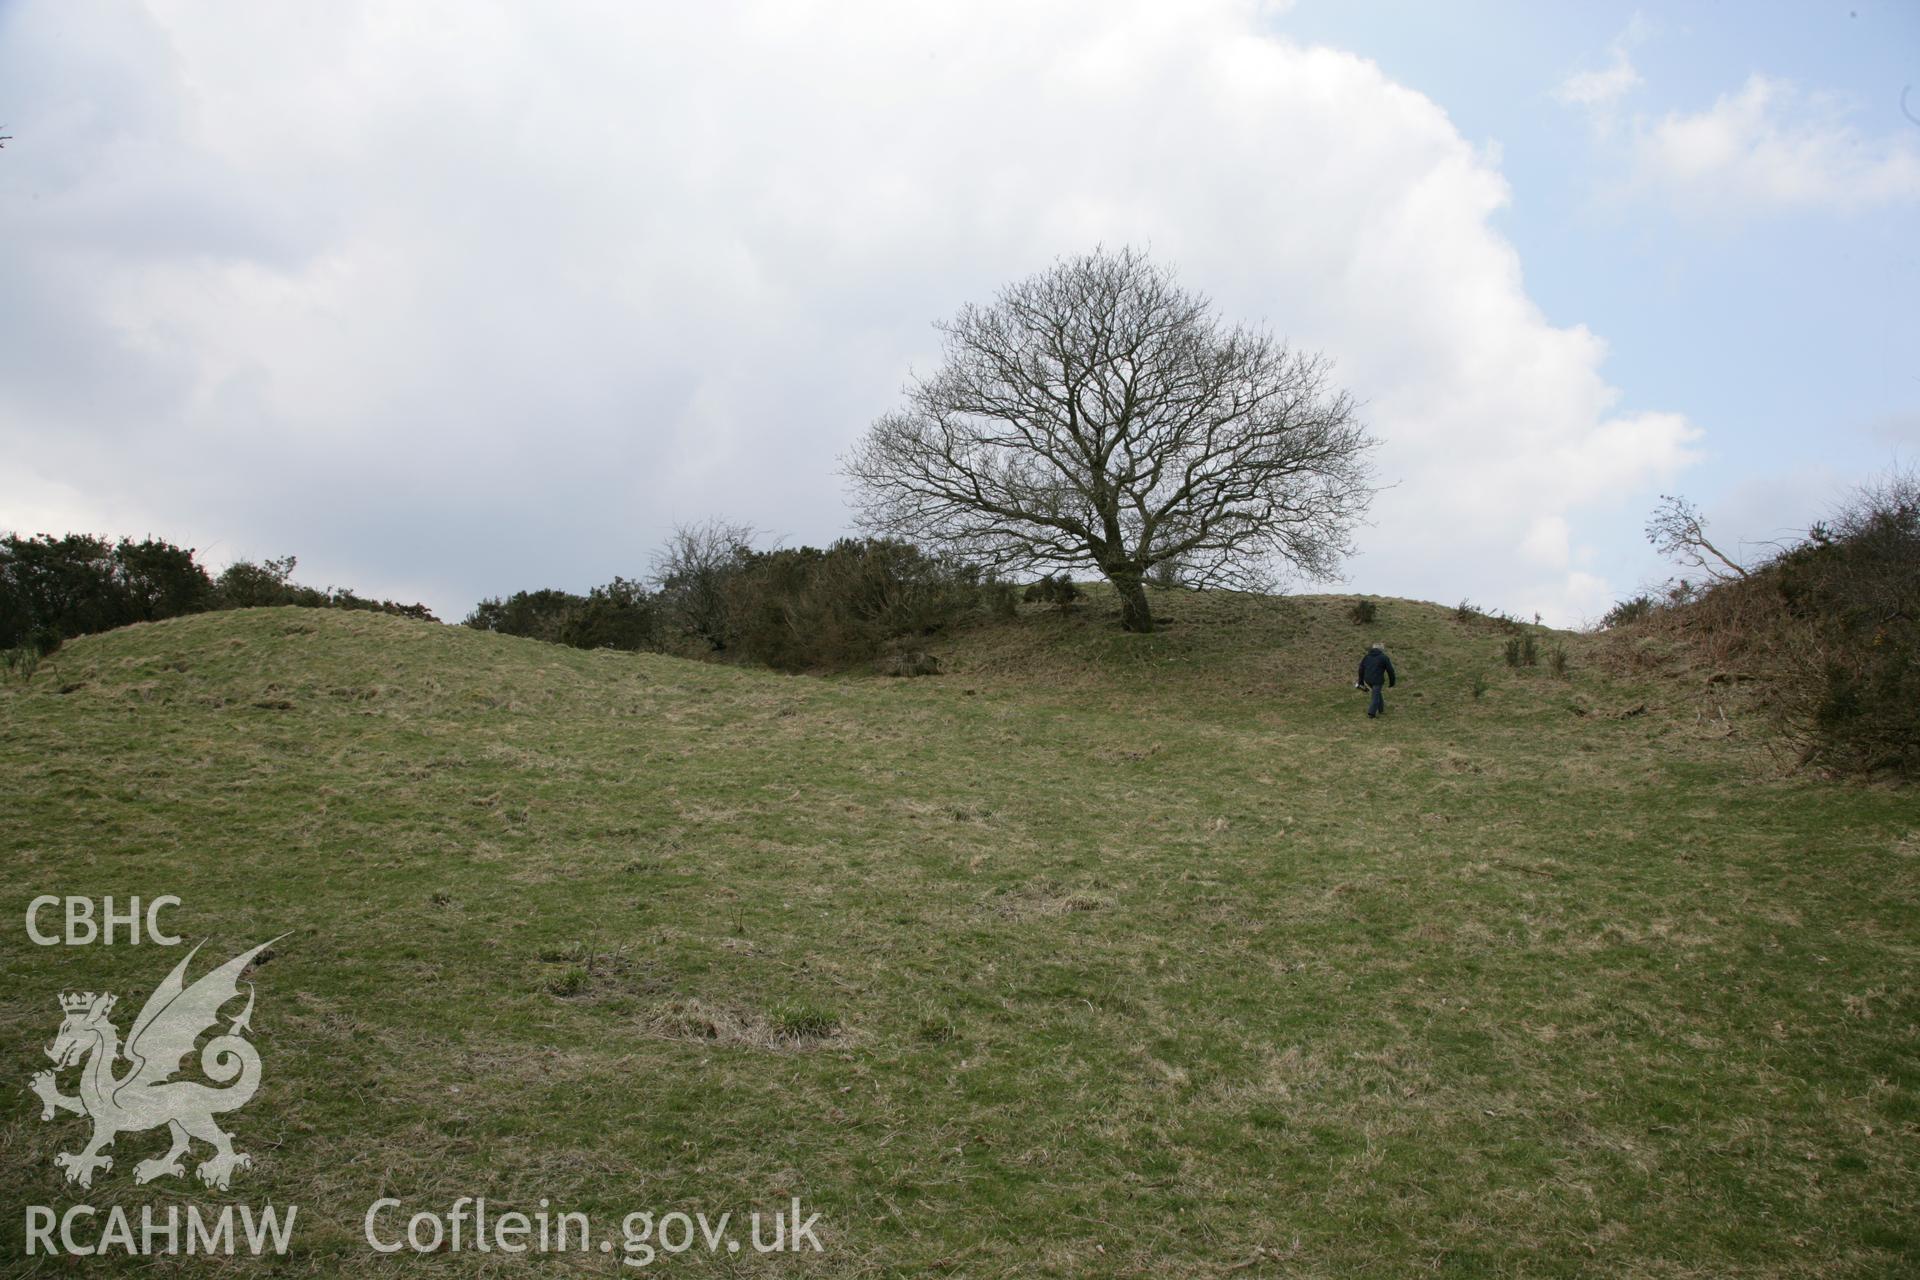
[(1134, 613)]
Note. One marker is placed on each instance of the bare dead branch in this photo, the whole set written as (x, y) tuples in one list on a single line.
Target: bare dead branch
[(1678, 532)]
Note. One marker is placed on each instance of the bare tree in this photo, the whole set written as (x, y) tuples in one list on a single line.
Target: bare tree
[(690, 573), (1677, 532), (1097, 414)]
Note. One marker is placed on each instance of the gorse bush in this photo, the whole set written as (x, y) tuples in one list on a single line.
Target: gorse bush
[(341, 598), (53, 589), (1061, 591), (998, 598), (799, 608), (1522, 650), (1363, 612), (545, 614), (623, 615), (1628, 611), (1828, 628), (793, 608), (1850, 692), (1468, 612), (246, 585)]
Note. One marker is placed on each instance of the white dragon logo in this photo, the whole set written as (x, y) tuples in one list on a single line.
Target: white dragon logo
[(146, 1096)]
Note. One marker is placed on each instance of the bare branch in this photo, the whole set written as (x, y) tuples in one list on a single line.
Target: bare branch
[(690, 575), (1677, 532)]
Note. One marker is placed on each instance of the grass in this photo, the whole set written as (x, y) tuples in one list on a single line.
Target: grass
[(1098, 954)]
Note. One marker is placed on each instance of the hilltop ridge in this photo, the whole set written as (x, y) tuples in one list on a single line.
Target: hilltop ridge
[(1283, 661), (1146, 948)]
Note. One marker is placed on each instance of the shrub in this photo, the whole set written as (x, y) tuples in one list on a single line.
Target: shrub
[(537, 615), (1636, 609), (160, 579), (999, 598), (1829, 628), (246, 585), (692, 575), (341, 598), (1682, 592), (621, 615), (1849, 667), (1466, 611), (53, 589), (1480, 685), (1061, 591), (801, 608), (1167, 575), (1363, 612), (1557, 663), (793, 609), (1522, 650)]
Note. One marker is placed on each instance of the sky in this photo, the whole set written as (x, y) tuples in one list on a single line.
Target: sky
[(456, 299)]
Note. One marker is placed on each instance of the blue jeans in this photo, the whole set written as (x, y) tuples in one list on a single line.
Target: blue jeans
[(1378, 703)]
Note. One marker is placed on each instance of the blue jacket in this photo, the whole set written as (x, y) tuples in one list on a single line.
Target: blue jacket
[(1377, 668)]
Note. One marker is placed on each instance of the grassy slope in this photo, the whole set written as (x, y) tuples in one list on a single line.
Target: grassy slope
[(1135, 955)]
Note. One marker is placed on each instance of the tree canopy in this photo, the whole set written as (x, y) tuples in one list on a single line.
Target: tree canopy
[(1097, 414)]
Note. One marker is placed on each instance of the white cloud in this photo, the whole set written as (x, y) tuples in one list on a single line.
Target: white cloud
[(32, 503), (1548, 542), (1602, 87), (473, 298), (1582, 598), (1770, 145), (1599, 90)]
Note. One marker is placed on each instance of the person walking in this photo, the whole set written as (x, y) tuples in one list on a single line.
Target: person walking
[(1376, 667)]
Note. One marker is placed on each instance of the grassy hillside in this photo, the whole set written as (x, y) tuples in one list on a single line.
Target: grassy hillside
[(1097, 955)]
